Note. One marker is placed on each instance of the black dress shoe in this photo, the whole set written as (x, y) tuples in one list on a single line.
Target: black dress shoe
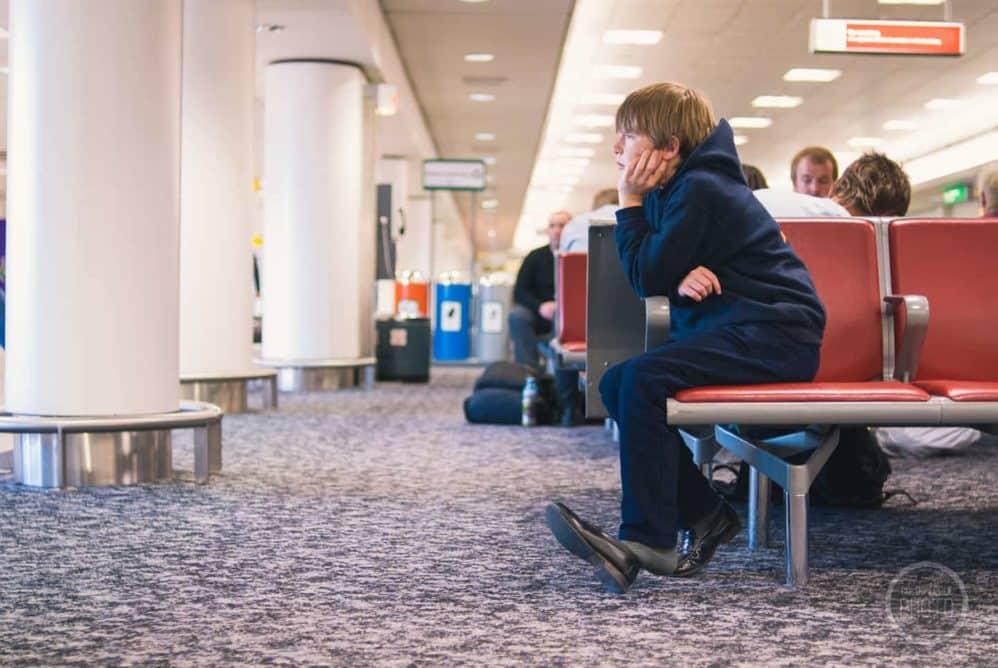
[(616, 566), (696, 551)]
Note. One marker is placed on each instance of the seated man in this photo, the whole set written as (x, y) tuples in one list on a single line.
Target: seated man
[(575, 236), (685, 205), (533, 296)]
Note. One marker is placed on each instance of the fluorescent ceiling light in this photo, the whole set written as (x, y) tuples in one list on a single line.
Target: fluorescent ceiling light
[(750, 122), (474, 2), (644, 37), (865, 142), (967, 154), (562, 180), (989, 79), (777, 101), (595, 120), (576, 152), (811, 74), (911, 2), (482, 97), (490, 203), (584, 138), (942, 104), (485, 136), (618, 71), (740, 140), (489, 160), (478, 57), (900, 125), (577, 162), (573, 170), (609, 99)]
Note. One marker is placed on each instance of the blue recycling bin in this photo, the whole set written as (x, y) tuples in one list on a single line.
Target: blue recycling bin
[(452, 325)]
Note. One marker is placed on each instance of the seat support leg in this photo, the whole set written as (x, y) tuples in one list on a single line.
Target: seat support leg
[(207, 451), (758, 509), (796, 505)]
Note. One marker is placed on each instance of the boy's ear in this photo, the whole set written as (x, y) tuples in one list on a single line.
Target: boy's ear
[(671, 148)]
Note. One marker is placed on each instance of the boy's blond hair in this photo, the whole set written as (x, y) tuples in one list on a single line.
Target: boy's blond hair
[(665, 110)]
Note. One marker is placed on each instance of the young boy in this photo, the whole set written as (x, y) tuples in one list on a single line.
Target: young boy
[(688, 225)]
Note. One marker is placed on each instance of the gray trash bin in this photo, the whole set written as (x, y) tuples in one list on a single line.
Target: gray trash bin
[(495, 296)]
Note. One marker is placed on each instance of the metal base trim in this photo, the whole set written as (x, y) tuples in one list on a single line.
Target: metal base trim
[(74, 451), (230, 393), (318, 375)]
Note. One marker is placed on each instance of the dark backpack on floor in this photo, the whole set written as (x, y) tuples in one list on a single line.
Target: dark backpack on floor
[(854, 475), (498, 396)]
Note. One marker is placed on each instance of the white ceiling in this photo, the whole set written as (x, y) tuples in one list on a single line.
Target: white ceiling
[(732, 50)]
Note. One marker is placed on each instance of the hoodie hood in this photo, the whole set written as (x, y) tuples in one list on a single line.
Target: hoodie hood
[(716, 154)]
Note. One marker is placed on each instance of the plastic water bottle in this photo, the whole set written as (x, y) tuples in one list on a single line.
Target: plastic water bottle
[(529, 414)]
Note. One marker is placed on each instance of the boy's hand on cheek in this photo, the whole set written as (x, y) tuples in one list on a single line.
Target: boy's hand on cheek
[(642, 175)]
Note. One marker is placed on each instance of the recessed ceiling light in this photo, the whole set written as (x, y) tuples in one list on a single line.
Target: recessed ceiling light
[(777, 101), (617, 71), (811, 74), (491, 233), (740, 140), (576, 152), (609, 99), (942, 103), (270, 27), (491, 203), (562, 180), (989, 79), (574, 170), (865, 142), (489, 160), (478, 57), (750, 122), (584, 138), (485, 136), (900, 125), (482, 97), (911, 2), (578, 162), (632, 37), (595, 120)]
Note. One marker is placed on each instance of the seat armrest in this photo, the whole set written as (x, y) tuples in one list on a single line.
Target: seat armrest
[(656, 322), (914, 310)]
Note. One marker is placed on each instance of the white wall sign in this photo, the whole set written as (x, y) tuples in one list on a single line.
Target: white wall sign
[(453, 175)]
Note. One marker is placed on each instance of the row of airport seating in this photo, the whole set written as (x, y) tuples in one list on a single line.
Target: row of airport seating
[(884, 361)]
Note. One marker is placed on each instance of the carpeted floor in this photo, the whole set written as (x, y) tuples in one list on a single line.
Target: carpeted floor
[(355, 528)]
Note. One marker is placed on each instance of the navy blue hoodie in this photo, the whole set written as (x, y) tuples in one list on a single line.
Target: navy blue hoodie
[(706, 215)]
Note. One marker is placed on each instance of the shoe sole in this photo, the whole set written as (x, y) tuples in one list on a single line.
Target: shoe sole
[(609, 575)]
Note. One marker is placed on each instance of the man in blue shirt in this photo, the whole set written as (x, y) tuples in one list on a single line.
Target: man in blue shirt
[(743, 311)]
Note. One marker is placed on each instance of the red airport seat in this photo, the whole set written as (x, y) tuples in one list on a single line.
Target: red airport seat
[(952, 263), (570, 344)]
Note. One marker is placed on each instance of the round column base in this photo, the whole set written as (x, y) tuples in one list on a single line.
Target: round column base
[(88, 451), (319, 375), (230, 392)]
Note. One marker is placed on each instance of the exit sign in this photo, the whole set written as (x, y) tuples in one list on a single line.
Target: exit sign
[(956, 194), (904, 38)]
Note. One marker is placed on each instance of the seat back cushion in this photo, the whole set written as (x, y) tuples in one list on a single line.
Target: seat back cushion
[(572, 297), (841, 256), (954, 263)]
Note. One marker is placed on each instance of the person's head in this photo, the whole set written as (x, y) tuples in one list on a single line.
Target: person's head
[(604, 197), (873, 185), (813, 171), (754, 177), (666, 117), (556, 223), (989, 194)]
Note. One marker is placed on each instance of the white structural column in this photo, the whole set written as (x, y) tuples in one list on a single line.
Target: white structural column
[(216, 195), (93, 195), (318, 230)]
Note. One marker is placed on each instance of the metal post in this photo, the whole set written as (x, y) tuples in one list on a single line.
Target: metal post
[(707, 469), (758, 515), (270, 394), (947, 11), (474, 235), (825, 9), (207, 450), (369, 377), (796, 539)]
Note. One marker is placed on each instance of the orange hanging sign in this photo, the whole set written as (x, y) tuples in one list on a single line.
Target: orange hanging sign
[(910, 38)]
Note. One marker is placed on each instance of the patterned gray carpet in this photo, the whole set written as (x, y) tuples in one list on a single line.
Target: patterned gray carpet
[(355, 528)]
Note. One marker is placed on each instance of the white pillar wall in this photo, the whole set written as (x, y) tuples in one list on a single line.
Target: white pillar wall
[(216, 194), (93, 195), (318, 230)]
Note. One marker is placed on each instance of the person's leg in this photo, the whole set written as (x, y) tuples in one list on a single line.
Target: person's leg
[(523, 332), (655, 469)]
